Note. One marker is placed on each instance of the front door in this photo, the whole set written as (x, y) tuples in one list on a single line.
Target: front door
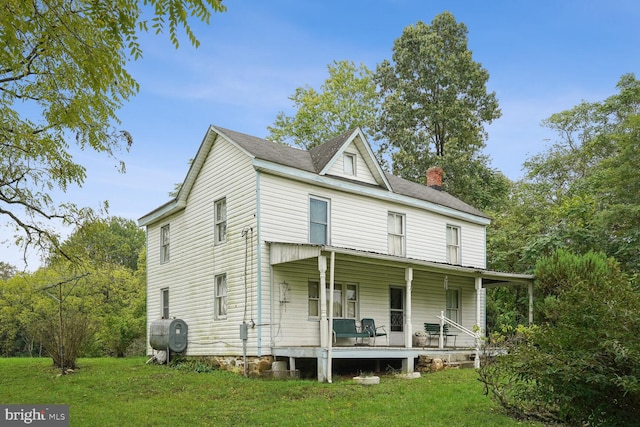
[(396, 312)]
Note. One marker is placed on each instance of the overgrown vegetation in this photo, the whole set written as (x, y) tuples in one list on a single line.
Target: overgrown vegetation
[(581, 362), (89, 299), (582, 194)]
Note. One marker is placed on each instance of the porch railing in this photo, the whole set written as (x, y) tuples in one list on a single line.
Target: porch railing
[(475, 335)]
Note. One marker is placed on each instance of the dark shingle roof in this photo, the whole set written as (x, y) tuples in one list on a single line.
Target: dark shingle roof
[(423, 192), (316, 159), (322, 154)]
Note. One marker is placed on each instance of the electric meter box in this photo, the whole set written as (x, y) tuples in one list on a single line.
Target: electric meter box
[(168, 334)]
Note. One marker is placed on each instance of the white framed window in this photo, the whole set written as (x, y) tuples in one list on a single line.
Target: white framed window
[(396, 229), (349, 164), (164, 302), (314, 299), (453, 245), (164, 244), (318, 220), (220, 214), (345, 300), (453, 310), (220, 309)]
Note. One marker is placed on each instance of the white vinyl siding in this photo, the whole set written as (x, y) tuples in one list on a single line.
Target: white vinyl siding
[(396, 233), (361, 171), (195, 260), (360, 222)]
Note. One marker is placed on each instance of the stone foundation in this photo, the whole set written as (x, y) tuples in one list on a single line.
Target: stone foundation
[(429, 364), (255, 365)]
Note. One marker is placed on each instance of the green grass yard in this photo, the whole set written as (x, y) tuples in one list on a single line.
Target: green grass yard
[(126, 392)]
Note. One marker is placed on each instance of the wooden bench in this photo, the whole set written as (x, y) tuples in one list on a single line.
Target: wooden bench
[(433, 330), (346, 328)]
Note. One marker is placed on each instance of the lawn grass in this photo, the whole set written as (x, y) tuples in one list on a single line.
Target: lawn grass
[(127, 392)]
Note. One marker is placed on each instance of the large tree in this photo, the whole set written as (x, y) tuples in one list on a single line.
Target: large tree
[(347, 99), (582, 192), (63, 77), (435, 105)]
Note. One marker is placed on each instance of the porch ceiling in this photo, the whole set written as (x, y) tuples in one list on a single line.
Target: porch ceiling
[(281, 252)]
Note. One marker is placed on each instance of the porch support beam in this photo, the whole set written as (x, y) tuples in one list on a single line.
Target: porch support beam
[(408, 332), (332, 269), (478, 282), (479, 322), (324, 325)]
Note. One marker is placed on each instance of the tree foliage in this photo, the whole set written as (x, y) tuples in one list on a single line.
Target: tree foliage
[(63, 77), (347, 99), (111, 241), (434, 105), (92, 301), (581, 363), (581, 194)]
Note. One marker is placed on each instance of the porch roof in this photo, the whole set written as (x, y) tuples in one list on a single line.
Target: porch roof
[(282, 252)]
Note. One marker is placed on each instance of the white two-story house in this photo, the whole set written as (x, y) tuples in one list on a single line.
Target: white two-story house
[(265, 245)]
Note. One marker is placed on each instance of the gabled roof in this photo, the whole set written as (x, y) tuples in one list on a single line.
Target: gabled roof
[(316, 161), (325, 155)]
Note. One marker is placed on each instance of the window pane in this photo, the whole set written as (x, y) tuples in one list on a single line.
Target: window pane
[(399, 229), (318, 211), (337, 301), (221, 296), (313, 290), (351, 293), (318, 234), (165, 303), (348, 164), (351, 310), (314, 310)]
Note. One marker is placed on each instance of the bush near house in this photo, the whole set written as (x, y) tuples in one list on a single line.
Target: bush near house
[(581, 363)]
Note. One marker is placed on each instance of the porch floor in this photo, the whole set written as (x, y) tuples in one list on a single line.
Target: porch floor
[(374, 352)]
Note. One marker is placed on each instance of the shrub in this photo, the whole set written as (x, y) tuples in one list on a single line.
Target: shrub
[(581, 364)]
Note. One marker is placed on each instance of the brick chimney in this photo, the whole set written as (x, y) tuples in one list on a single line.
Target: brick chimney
[(434, 177)]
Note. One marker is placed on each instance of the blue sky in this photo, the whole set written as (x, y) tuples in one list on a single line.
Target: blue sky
[(542, 56)]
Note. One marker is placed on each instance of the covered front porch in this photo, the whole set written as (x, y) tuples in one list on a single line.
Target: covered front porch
[(313, 284)]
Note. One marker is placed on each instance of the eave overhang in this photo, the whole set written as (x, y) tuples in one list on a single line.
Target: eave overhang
[(281, 252)]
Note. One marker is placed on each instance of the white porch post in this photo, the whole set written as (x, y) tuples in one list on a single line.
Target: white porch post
[(531, 303), (408, 332), (332, 270), (479, 322), (324, 332), (407, 364)]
